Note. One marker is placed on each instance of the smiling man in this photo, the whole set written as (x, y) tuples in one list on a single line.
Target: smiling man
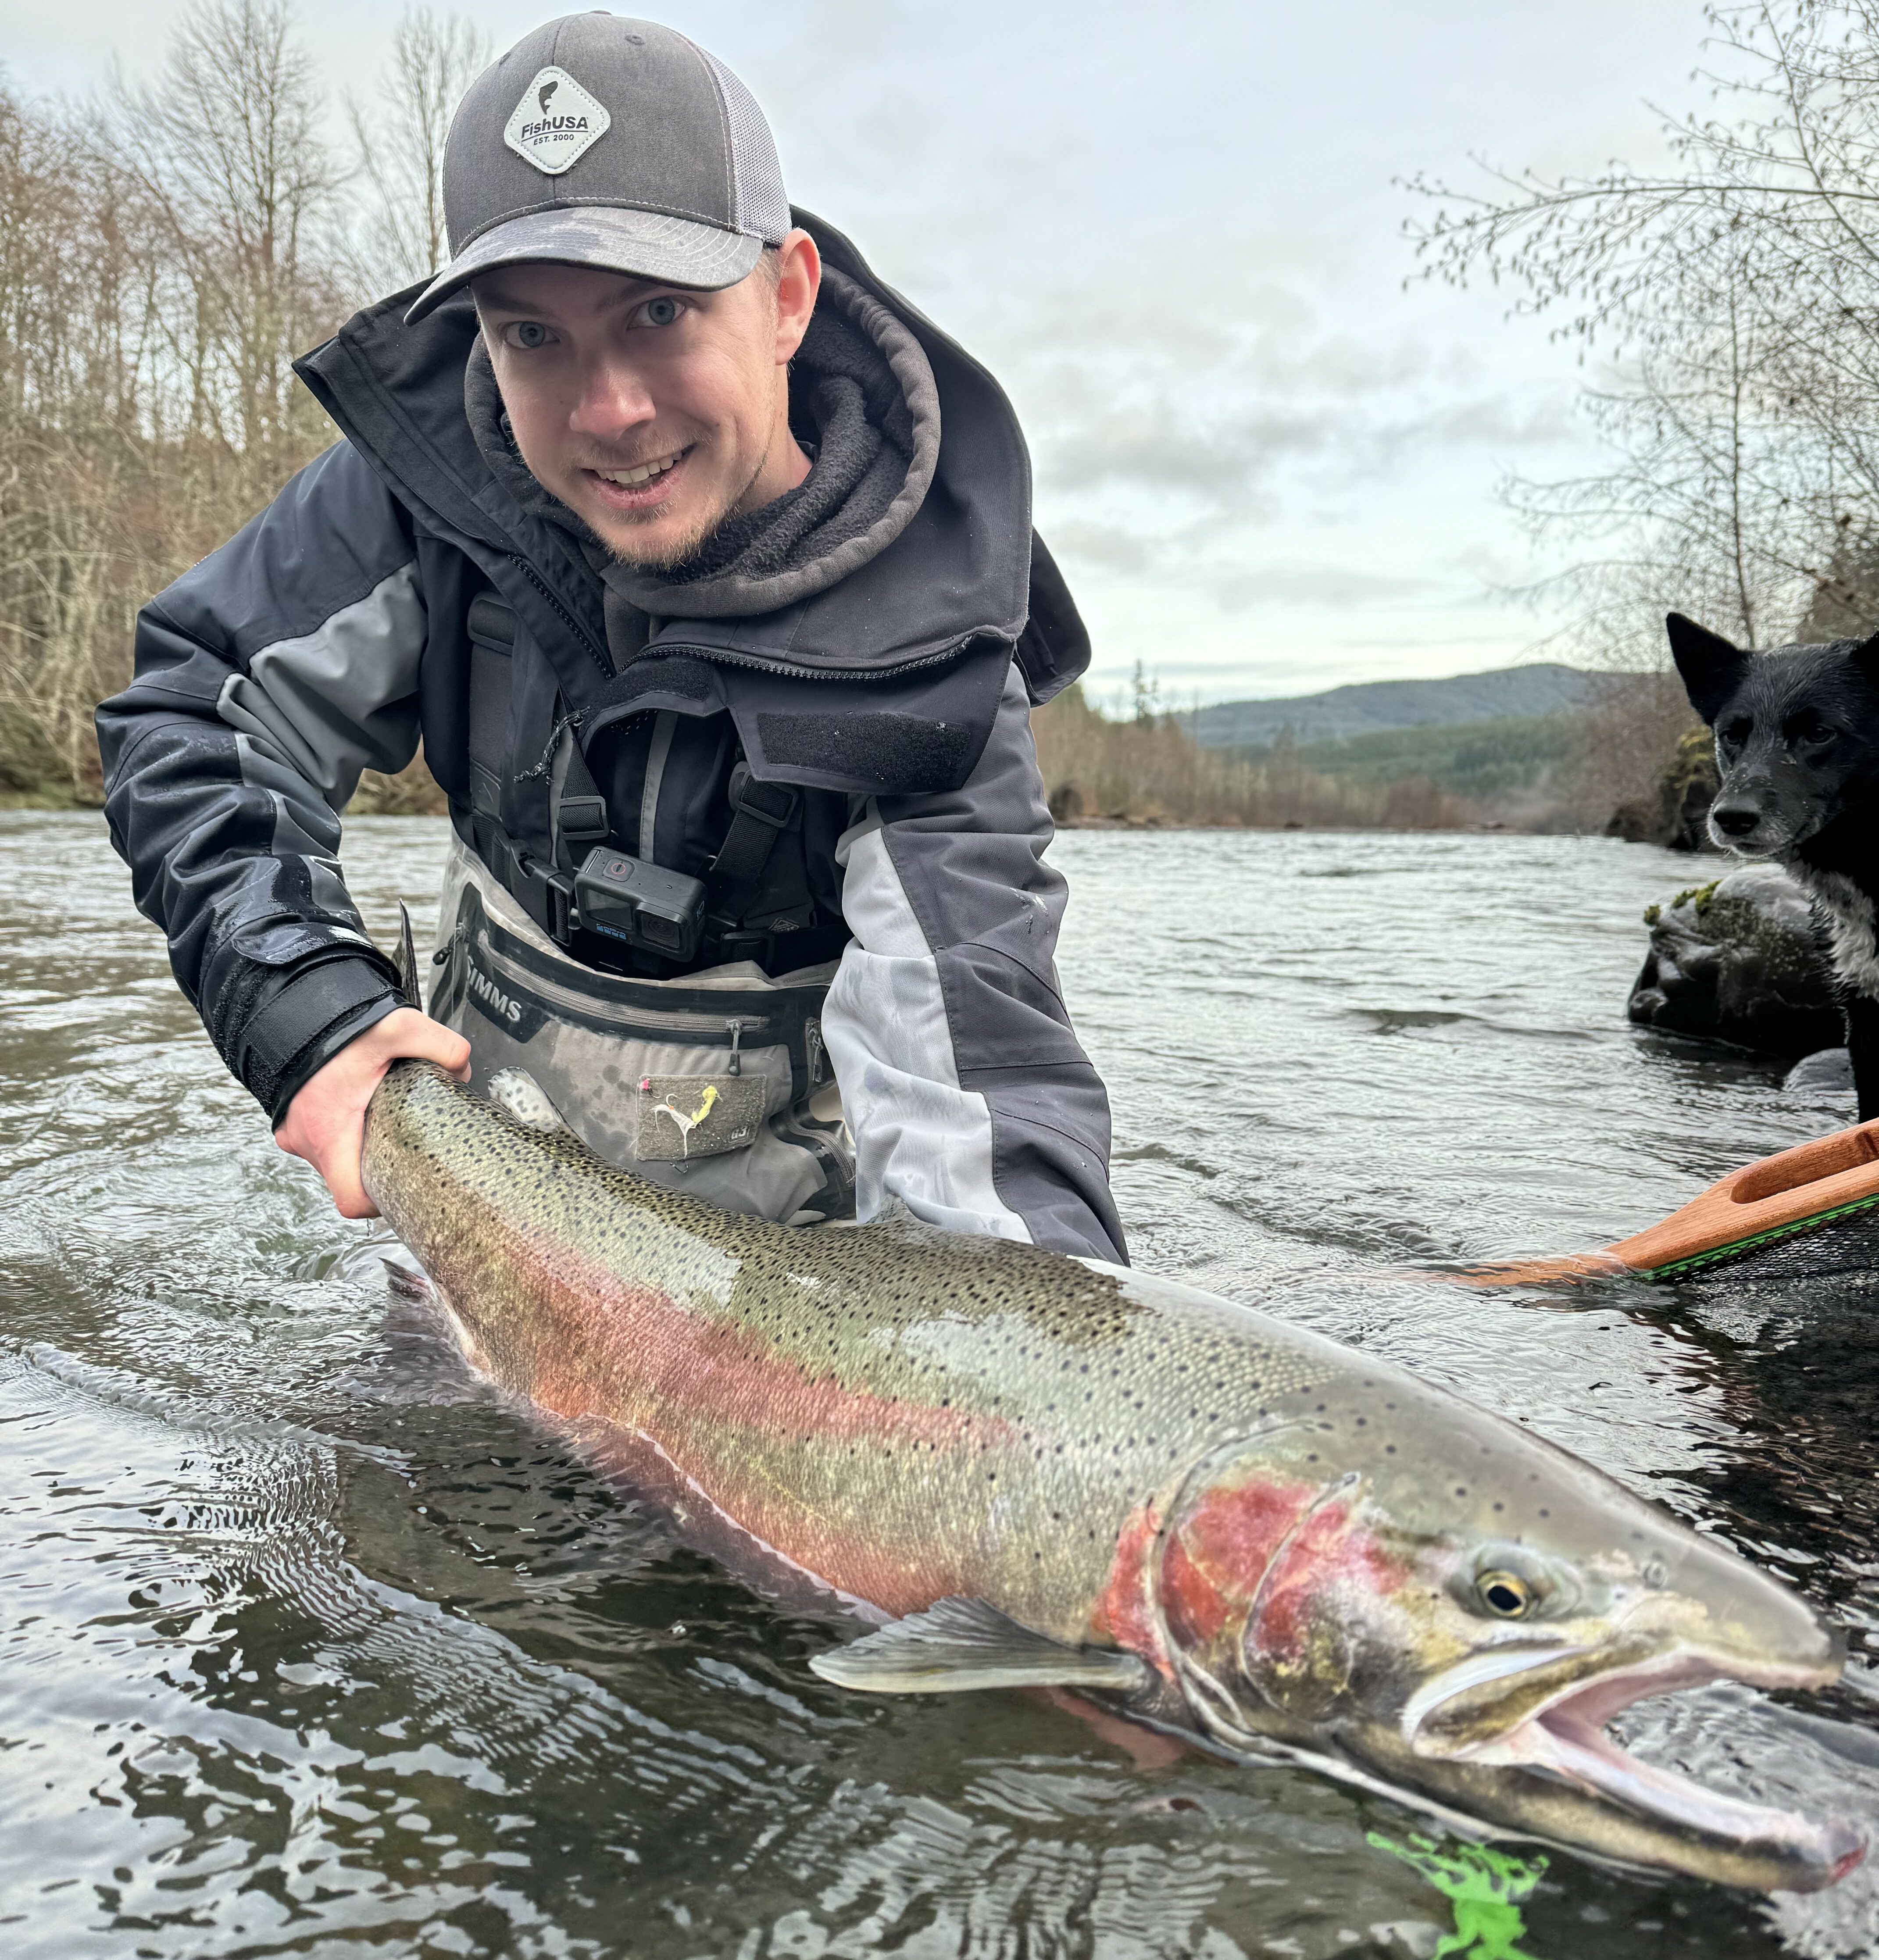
[(642, 408), (703, 565)]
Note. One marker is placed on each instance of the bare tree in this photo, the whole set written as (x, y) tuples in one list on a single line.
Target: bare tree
[(1735, 296), (400, 137), (161, 262), (225, 153), (64, 382)]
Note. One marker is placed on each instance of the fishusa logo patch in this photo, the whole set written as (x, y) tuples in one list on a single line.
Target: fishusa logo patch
[(556, 122)]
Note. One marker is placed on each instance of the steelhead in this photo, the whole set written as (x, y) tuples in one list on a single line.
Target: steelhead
[(1024, 1468)]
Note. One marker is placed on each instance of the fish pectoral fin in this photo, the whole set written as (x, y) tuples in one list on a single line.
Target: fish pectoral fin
[(959, 1644)]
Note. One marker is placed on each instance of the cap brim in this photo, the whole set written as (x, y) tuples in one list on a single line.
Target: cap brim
[(639, 244)]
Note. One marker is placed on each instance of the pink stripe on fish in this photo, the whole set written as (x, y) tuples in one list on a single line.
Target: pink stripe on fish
[(709, 1395), (1331, 1552), (1221, 1550), (1125, 1613), (715, 1369)]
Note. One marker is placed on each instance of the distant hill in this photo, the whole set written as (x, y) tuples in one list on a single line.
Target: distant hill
[(1482, 760), (1377, 707)]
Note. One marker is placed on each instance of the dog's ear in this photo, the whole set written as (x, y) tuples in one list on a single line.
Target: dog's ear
[(1712, 668)]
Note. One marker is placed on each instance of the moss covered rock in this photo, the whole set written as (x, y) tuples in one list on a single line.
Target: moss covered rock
[(1736, 960)]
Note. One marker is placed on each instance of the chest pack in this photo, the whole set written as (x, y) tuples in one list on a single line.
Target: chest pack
[(622, 891), (683, 812), (717, 1083)]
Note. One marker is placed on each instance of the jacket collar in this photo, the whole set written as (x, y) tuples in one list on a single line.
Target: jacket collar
[(959, 571)]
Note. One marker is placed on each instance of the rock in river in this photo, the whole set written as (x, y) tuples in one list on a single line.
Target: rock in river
[(1737, 961), (1829, 1073)]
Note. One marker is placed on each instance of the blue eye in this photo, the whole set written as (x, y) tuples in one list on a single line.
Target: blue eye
[(526, 334), (660, 312)]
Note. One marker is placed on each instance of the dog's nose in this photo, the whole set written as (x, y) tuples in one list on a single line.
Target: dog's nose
[(1732, 820)]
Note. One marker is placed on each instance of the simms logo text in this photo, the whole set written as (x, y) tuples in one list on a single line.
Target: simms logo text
[(492, 996)]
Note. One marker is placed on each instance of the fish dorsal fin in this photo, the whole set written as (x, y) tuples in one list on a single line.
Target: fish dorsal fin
[(406, 961), (960, 1644), (894, 1214)]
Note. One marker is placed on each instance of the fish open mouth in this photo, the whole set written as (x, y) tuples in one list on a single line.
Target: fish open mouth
[(1564, 1737)]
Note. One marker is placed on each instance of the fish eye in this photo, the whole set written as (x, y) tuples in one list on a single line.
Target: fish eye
[(1506, 1594), (1507, 1581)]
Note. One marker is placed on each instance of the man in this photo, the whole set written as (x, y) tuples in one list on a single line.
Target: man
[(703, 564)]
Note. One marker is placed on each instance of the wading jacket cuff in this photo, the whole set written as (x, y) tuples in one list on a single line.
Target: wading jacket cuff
[(305, 1023)]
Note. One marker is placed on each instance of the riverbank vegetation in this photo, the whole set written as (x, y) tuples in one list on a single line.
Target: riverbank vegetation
[(1141, 767), (166, 249), (1146, 770), (1727, 309), (165, 252)]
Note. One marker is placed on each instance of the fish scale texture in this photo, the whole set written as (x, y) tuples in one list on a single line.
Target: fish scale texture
[(898, 1413), (1286, 1529)]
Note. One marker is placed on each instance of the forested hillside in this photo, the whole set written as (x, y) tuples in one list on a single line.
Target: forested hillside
[(1368, 708), (1482, 760)]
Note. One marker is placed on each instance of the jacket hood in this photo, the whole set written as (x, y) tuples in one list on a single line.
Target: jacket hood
[(862, 392), (928, 549)]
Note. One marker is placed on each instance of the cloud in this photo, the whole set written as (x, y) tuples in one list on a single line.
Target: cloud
[(1175, 241), (1118, 550), (1185, 416), (1342, 587)]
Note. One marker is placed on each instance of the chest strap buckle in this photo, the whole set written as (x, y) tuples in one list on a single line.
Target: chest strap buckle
[(581, 821), (773, 803), (759, 814)]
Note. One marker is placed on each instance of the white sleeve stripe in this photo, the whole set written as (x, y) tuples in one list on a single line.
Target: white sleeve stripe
[(342, 697), (918, 1136)]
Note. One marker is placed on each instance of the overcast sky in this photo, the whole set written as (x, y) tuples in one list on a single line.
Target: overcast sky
[(1266, 465)]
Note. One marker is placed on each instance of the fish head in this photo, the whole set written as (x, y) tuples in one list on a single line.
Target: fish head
[(1458, 1613)]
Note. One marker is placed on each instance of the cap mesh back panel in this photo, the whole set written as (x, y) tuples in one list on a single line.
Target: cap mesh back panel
[(757, 176)]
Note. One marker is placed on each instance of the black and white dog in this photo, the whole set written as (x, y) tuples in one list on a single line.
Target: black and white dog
[(1798, 750)]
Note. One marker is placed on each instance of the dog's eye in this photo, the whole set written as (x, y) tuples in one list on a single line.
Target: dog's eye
[(1809, 728), (1737, 732)]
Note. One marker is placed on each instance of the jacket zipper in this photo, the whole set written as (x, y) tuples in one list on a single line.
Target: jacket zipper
[(603, 661), (950, 651), (587, 722)]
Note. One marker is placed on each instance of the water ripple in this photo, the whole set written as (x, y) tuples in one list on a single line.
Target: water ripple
[(311, 1643)]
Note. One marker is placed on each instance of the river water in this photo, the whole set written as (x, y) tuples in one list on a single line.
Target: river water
[(313, 1645)]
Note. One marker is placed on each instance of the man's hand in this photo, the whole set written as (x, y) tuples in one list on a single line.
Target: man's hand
[(326, 1121)]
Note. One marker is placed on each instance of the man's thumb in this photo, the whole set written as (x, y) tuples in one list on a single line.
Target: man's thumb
[(447, 1047)]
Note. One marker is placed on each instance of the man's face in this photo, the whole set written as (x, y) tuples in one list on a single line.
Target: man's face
[(653, 411)]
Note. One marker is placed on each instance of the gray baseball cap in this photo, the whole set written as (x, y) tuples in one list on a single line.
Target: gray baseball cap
[(617, 144)]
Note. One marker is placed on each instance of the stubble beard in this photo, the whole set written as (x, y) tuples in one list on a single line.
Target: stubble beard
[(669, 557)]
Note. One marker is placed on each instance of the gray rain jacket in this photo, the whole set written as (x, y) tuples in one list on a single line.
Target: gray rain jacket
[(880, 660)]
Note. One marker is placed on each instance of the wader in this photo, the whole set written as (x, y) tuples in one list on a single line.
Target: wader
[(716, 1083)]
